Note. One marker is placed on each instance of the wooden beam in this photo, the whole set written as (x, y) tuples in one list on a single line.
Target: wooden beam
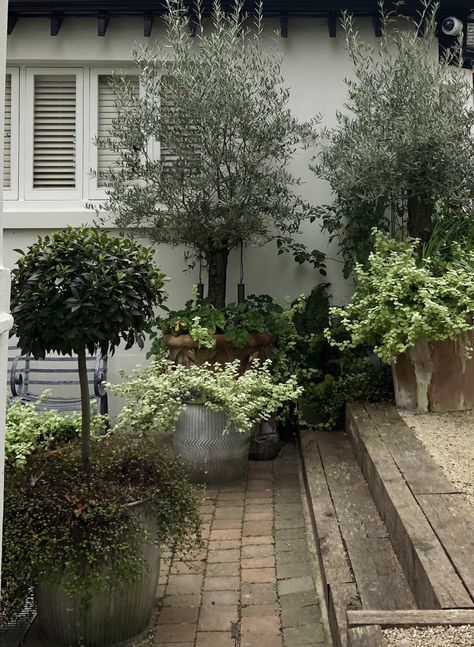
[(284, 24), (12, 20), (56, 22), (368, 636), (332, 24), (377, 22), (147, 25), (410, 618), (102, 24)]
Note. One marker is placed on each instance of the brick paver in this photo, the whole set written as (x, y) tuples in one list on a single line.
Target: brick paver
[(252, 583)]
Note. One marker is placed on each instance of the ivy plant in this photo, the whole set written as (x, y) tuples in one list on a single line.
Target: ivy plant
[(155, 396), (400, 298), (81, 289)]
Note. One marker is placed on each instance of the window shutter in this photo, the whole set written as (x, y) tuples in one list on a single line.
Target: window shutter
[(54, 139), (107, 112), (7, 141)]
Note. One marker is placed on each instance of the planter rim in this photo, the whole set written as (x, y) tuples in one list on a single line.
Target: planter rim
[(186, 341)]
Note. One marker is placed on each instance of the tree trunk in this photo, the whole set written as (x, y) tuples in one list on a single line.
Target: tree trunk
[(420, 219), (217, 272), (86, 408)]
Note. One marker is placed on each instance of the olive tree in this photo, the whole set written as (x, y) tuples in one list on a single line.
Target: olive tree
[(402, 154), (218, 106), (78, 290)]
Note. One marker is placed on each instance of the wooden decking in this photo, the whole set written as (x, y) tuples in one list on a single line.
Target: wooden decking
[(396, 540)]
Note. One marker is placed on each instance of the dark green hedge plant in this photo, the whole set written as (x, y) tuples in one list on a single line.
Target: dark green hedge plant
[(78, 290)]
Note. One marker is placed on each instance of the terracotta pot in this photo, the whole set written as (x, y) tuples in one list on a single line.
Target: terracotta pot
[(184, 350), (435, 376)]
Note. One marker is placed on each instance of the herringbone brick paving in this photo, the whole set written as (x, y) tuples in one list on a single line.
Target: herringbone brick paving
[(251, 585)]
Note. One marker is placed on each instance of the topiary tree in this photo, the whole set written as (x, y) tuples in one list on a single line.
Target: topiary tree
[(401, 157), (79, 290), (219, 108)]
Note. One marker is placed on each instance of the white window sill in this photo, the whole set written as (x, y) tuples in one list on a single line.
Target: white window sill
[(19, 214)]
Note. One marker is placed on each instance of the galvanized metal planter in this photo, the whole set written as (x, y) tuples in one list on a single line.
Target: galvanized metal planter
[(114, 617), (208, 455)]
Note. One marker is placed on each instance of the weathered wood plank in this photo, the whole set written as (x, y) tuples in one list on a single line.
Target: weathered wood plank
[(341, 597), (333, 555), (419, 470), (410, 618), (370, 636), (379, 577), (452, 519), (432, 577)]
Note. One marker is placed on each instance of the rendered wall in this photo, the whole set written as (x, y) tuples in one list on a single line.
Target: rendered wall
[(314, 66)]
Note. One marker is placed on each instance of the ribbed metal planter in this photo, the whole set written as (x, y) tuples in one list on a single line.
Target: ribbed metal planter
[(208, 455), (115, 617)]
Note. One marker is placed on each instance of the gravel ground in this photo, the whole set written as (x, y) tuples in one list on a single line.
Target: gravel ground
[(462, 636), (449, 438)]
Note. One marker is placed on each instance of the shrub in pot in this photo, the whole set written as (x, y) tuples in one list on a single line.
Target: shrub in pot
[(212, 410), (201, 333), (90, 546), (75, 291), (417, 314)]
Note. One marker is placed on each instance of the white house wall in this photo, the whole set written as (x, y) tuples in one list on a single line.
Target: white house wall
[(314, 66)]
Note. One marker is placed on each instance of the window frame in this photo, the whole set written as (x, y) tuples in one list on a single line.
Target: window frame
[(36, 194), (12, 192)]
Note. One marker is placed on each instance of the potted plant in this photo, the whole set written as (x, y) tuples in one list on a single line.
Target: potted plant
[(92, 524), (418, 315), (220, 110), (212, 410), (200, 332)]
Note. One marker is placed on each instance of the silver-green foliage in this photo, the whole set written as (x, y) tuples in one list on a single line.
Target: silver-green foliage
[(402, 146), (400, 299), (155, 396), (218, 105)]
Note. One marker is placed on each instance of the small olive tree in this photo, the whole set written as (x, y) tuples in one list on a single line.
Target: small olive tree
[(218, 106), (402, 153), (78, 290)]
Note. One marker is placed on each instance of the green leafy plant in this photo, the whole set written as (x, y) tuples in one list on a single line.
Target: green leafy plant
[(218, 106), (329, 377), (30, 429), (400, 298), (325, 400), (63, 529), (155, 396), (402, 154), (80, 289), (236, 321)]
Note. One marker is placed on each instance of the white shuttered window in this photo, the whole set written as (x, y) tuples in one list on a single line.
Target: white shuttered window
[(106, 113), (10, 140), (55, 134), (54, 141)]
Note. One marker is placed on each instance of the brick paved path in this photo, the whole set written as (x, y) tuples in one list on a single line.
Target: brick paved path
[(255, 569)]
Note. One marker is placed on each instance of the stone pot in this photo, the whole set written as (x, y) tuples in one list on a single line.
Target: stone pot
[(117, 616), (435, 376), (209, 455), (184, 350)]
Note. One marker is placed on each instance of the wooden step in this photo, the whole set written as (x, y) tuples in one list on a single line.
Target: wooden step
[(430, 525), (358, 564)]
